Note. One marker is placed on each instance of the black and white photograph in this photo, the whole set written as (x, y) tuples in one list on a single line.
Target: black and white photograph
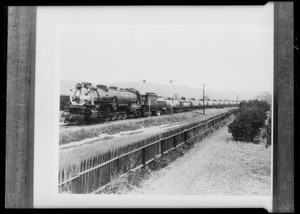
[(165, 101), (154, 106)]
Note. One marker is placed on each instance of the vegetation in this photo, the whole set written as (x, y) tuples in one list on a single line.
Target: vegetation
[(67, 136), (265, 96), (64, 101), (250, 120), (266, 131)]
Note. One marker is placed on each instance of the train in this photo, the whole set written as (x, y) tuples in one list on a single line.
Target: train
[(100, 103)]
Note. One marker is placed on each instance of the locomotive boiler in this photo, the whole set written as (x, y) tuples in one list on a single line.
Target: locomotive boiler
[(102, 103)]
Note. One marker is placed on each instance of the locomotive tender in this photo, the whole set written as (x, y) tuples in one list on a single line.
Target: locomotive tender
[(101, 103)]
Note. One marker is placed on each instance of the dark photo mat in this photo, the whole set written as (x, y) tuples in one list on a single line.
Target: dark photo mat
[(21, 26)]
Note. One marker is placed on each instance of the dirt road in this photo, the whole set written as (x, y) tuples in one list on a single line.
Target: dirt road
[(215, 166)]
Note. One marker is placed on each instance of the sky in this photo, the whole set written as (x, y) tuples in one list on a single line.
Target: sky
[(228, 48)]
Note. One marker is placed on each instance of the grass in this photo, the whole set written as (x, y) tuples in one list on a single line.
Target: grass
[(68, 157), (72, 135)]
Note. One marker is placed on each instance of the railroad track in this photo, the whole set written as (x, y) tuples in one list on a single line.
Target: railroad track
[(66, 126)]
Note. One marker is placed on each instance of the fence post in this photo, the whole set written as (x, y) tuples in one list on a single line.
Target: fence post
[(118, 166), (174, 141), (185, 136), (144, 157), (159, 147)]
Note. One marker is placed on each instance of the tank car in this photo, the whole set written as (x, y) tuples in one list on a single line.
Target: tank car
[(195, 103), (176, 103), (215, 102), (201, 102), (209, 102), (172, 106), (185, 105), (225, 102), (169, 103)]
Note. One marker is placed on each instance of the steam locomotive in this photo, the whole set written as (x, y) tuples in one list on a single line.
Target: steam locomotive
[(100, 103)]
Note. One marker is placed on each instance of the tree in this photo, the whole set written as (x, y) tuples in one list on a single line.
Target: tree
[(249, 121), (266, 131), (64, 101), (265, 96)]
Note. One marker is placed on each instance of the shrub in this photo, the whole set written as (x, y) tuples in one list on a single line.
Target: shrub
[(64, 101), (249, 121), (266, 132)]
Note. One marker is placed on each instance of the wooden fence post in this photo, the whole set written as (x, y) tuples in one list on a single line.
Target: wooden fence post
[(144, 157), (118, 166), (159, 147)]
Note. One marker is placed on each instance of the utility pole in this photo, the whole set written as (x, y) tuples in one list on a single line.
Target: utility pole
[(149, 106), (203, 87), (171, 81), (203, 99), (237, 98), (143, 81)]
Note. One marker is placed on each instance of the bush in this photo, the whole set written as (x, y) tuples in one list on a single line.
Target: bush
[(249, 121), (266, 132), (64, 101)]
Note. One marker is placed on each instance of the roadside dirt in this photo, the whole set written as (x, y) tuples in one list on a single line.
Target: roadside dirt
[(217, 165)]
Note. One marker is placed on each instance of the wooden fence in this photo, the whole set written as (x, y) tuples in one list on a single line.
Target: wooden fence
[(93, 174)]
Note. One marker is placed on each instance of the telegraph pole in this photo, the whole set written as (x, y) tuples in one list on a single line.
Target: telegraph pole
[(149, 106), (171, 81), (237, 98), (143, 81), (203, 99), (203, 94)]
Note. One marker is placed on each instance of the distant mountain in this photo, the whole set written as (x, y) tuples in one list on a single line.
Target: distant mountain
[(165, 90), (65, 86)]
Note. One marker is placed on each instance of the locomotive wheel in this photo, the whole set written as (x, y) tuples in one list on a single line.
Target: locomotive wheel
[(114, 117), (137, 114), (120, 116)]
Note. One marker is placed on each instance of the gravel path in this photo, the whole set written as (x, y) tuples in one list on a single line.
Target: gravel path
[(215, 166)]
